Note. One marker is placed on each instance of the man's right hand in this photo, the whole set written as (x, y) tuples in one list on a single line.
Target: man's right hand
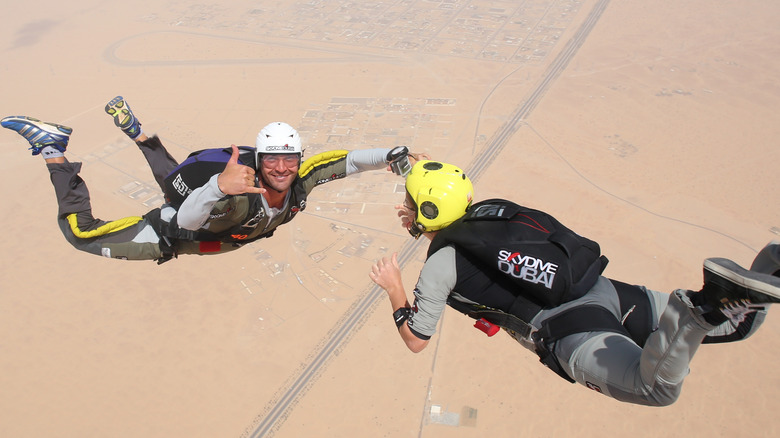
[(237, 179)]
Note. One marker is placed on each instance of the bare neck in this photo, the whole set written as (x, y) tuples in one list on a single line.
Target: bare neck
[(275, 199)]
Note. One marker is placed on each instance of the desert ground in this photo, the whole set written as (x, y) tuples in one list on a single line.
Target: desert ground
[(650, 127)]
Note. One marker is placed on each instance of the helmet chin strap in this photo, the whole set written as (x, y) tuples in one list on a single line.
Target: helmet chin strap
[(415, 230)]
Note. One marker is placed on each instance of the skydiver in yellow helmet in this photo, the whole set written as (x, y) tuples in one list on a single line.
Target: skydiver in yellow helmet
[(515, 268)]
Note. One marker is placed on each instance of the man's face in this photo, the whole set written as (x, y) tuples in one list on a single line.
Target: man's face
[(279, 170)]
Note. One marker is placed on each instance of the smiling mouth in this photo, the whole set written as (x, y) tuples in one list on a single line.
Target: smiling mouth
[(280, 180)]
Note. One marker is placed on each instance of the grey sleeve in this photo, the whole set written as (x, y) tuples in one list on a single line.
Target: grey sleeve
[(366, 159), (437, 279), (194, 211)]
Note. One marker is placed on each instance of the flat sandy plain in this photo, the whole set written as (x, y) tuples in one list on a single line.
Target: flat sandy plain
[(650, 127)]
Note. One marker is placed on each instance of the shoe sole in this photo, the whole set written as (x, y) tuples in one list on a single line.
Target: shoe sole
[(759, 287), (118, 108)]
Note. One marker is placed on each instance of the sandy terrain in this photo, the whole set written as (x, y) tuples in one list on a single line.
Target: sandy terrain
[(657, 139)]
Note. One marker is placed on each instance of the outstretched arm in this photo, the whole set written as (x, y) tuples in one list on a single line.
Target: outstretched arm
[(362, 160), (375, 159), (387, 274)]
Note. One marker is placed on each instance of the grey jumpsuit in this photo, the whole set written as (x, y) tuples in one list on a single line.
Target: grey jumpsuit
[(607, 362), (206, 208)]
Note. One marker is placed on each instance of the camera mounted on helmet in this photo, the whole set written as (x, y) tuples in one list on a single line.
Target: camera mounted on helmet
[(398, 158)]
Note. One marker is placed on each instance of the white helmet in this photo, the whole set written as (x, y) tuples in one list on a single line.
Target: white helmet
[(278, 138)]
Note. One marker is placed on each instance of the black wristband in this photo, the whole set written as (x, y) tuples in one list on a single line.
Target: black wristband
[(401, 315)]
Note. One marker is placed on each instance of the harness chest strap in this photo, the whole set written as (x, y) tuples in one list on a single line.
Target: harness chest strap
[(575, 320), (496, 317), (572, 321)]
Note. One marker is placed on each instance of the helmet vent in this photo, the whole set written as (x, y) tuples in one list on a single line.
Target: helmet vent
[(432, 165)]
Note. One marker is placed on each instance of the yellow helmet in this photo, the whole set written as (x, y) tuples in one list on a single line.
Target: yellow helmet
[(441, 193)]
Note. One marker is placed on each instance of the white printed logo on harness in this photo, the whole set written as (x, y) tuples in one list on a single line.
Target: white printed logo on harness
[(527, 268), (180, 186), (488, 210)]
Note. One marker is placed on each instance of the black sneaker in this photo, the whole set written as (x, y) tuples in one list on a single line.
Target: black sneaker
[(726, 282), (768, 259)]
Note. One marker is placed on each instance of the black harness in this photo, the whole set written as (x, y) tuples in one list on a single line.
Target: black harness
[(194, 172), (519, 261)]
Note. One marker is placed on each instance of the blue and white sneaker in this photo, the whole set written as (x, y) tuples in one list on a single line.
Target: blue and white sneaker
[(124, 117), (39, 134)]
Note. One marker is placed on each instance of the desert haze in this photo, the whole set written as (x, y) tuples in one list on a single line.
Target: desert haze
[(650, 127)]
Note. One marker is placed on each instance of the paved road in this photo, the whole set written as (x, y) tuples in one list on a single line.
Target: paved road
[(275, 414)]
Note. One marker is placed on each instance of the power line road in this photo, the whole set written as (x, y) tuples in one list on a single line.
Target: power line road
[(270, 420)]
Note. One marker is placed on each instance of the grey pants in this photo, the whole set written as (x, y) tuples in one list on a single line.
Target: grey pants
[(130, 238), (616, 366)]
